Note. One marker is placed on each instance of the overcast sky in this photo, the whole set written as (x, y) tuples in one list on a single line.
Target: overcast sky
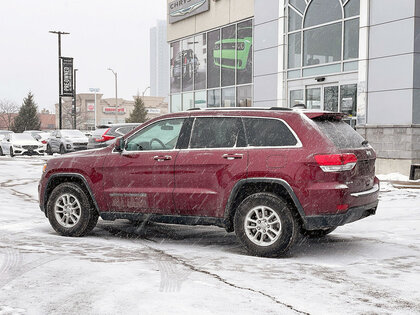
[(103, 33)]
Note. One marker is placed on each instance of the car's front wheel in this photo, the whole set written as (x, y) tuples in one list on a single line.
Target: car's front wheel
[(12, 154), (62, 149), (49, 150), (265, 225), (70, 211)]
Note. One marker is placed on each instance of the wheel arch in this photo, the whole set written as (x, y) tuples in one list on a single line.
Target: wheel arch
[(56, 179), (247, 187)]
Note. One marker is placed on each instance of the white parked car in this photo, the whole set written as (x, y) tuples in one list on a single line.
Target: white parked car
[(20, 144)]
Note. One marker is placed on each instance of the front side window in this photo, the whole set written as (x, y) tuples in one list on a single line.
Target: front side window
[(217, 132), (162, 135), (263, 132)]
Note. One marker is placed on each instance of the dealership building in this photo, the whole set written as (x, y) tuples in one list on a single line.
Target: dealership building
[(359, 57)]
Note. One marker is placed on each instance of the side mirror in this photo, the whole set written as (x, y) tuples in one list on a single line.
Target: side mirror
[(119, 144)]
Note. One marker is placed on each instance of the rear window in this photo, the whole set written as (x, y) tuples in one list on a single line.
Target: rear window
[(341, 134), (262, 132)]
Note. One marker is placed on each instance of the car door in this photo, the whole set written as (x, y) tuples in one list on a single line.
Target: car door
[(53, 141), (205, 172), (141, 178)]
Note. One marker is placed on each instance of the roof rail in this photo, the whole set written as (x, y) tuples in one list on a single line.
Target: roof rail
[(242, 108)]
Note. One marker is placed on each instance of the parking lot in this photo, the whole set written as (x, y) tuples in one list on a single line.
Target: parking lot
[(370, 266)]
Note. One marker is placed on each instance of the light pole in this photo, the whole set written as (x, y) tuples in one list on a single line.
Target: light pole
[(116, 94), (60, 106), (74, 99), (145, 91), (95, 90)]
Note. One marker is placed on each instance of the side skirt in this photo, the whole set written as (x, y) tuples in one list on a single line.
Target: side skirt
[(170, 219)]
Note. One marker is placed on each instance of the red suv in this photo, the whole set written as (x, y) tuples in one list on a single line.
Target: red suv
[(267, 174)]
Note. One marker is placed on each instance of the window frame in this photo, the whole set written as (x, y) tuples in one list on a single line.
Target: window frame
[(125, 152)]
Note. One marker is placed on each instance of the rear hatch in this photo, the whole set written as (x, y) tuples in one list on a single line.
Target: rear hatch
[(347, 140)]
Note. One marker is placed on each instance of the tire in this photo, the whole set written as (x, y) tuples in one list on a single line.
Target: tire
[(317, 233), (1, 152), (62, 149), (49, 150), (11, 152), (280, 235), (70, 225)]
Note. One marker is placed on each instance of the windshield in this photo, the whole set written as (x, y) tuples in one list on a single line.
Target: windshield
[(72, 133), (22, 137)]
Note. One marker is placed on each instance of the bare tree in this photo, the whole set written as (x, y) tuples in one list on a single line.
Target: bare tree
[(67, 115), (8, 110)]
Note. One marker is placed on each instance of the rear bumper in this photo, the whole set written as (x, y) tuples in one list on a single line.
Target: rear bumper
[(317, 222)]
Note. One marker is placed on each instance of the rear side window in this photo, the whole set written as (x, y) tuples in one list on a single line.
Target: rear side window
[(263, 132), (217, 132), (341, 134)]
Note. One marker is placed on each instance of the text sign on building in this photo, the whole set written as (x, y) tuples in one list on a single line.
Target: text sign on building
[(66, 76), (181, 9), (111, 110)]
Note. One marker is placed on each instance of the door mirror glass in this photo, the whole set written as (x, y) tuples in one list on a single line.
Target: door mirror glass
[(119, 144)]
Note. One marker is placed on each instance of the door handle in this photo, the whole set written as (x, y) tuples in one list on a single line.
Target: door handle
[(161, 158), (235, 156)]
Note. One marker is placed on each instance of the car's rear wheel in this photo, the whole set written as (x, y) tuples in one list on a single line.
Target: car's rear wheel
[(49, 150), (62, 149), (265, 225), (70, 211), (317, 233)]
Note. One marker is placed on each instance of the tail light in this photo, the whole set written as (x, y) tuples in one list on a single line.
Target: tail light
[(104, 137), (336, 162), (44, 141)]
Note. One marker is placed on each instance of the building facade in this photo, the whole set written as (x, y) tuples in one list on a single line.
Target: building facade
[(359, 57), (159, 61), (106, 111)]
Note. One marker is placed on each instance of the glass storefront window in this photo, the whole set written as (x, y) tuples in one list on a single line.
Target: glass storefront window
[(322, 45), (244, 96), (294, 55), (176, 105), (200, 100), (213, 98), (331, 98), (313, 98), (187, 101), (189, 64), (352, 8), (176, 67), (348, 99), (295, 20), (228, 56), (351, 39), (200, 48), (299, 5), (296, 97), (244, 53), (308, 72), (323, 11), (213, 59), (228, 97)]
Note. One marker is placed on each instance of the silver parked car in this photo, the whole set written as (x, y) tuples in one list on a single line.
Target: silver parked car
[(66, 140)]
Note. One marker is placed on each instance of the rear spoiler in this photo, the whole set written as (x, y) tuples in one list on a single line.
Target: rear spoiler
[(324, 115)]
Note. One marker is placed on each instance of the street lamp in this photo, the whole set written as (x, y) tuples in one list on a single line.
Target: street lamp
[(145, 90), (116, 94), (60, 106), (95, 90), (74, 111)]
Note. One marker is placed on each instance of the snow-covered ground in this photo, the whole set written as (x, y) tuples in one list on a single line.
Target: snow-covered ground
[(368, 267)]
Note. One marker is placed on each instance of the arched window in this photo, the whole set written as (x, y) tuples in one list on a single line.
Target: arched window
[(323, 11), (322, 32)]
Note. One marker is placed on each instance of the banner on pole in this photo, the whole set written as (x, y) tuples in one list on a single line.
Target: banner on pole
[(66, 76)]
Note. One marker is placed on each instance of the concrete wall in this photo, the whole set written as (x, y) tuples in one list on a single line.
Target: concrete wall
[(220, 13), (269, 49)]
